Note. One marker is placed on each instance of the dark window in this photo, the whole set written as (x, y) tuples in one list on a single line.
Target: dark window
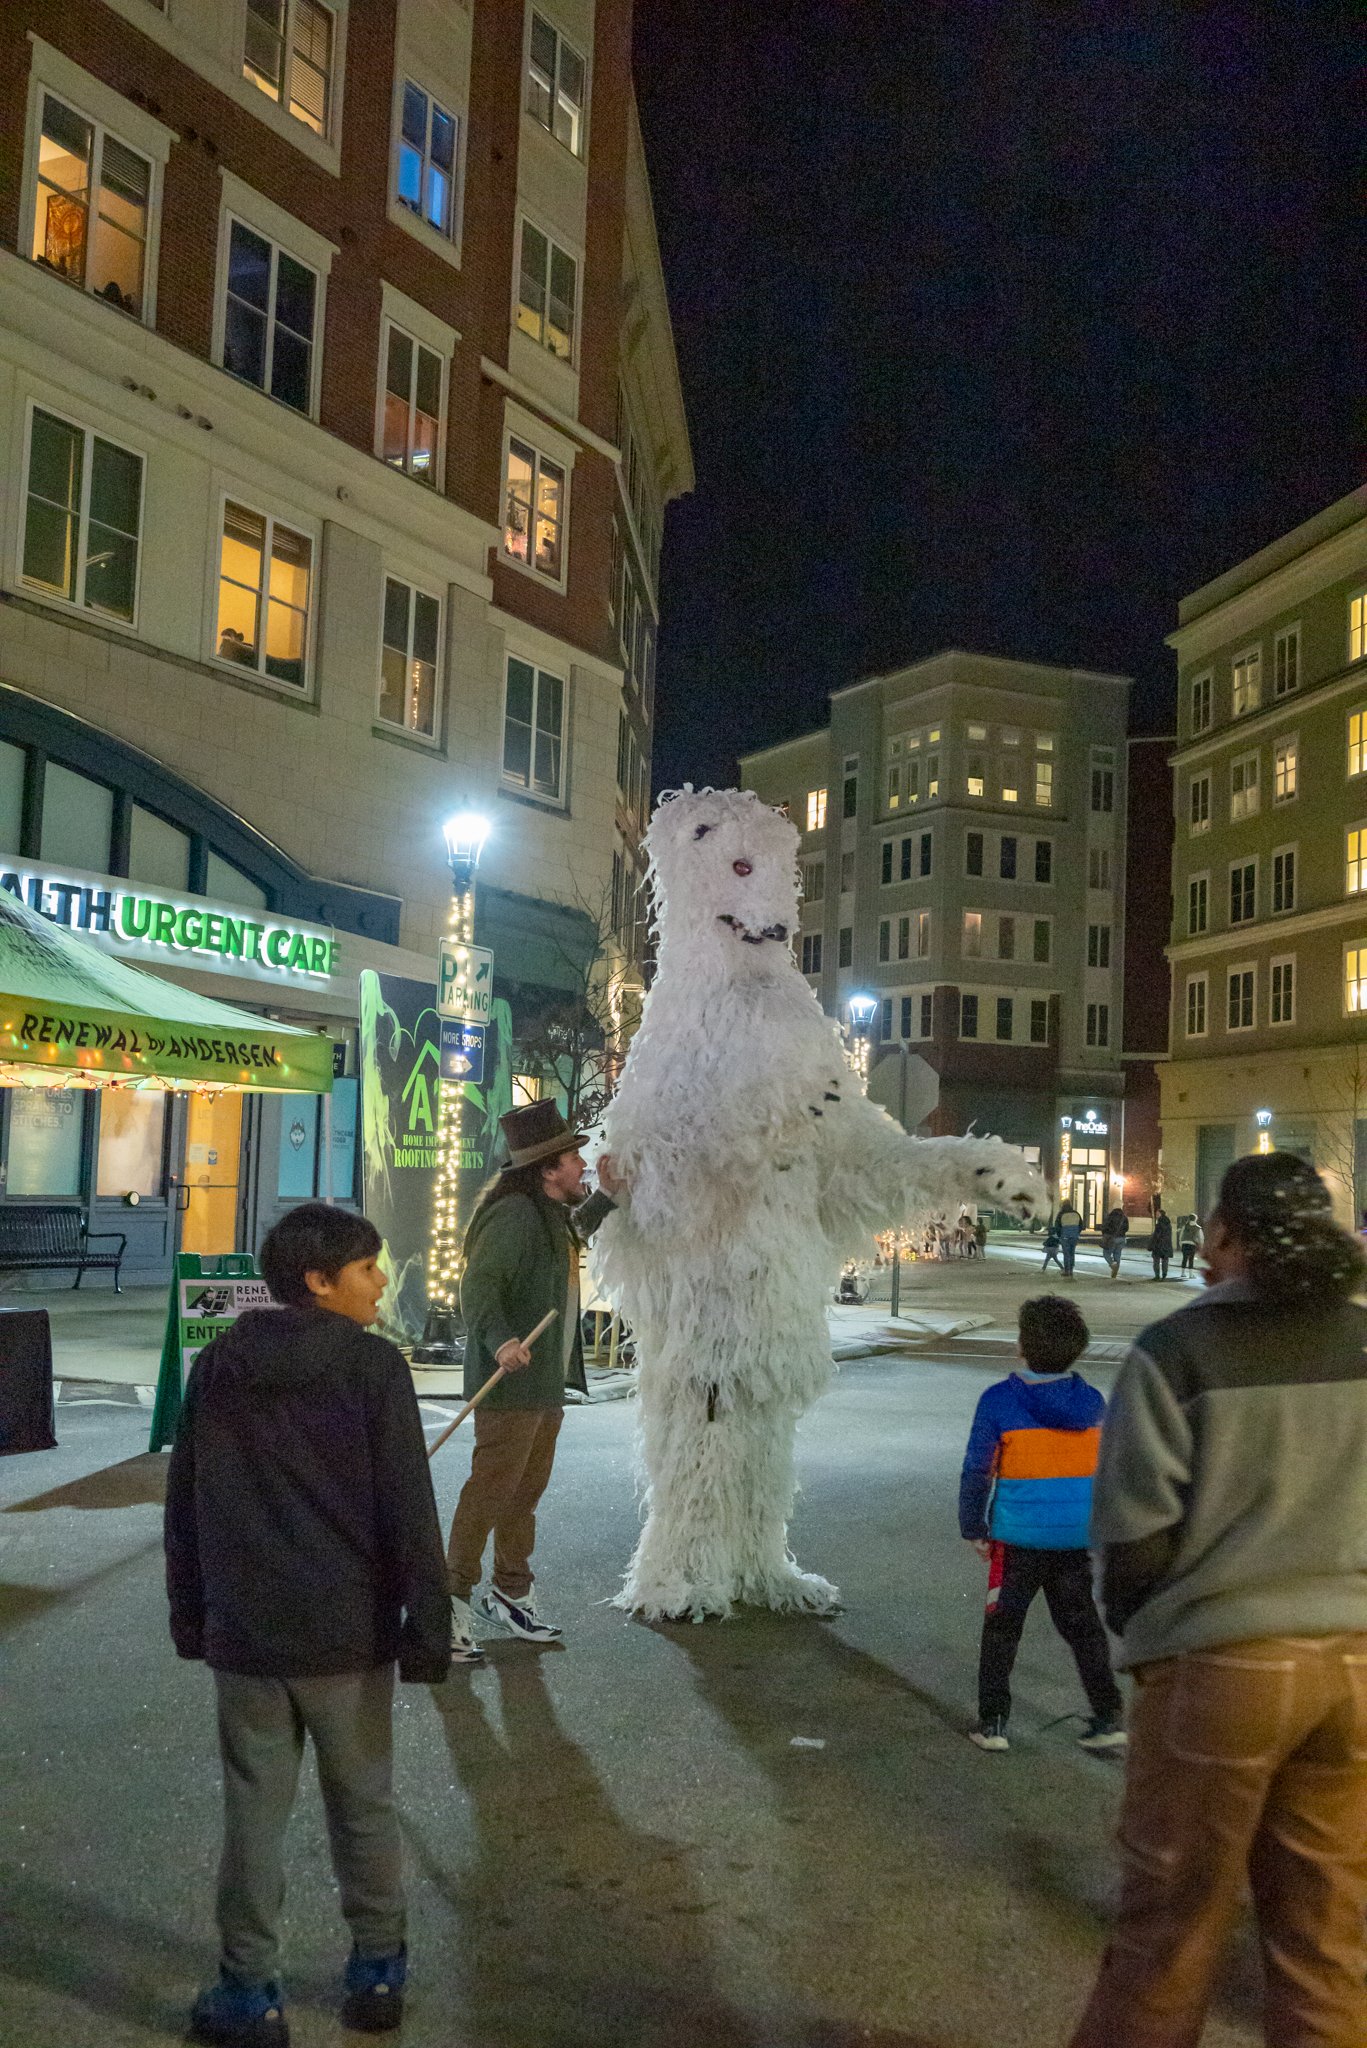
[(968, 1016), (926, 1016), (885, 938), (846, 953), (1242, 892), (1039, 1022), (1098, 1023), (925, 853), (1044, 860), (906, 860), (1103, 789), (885, 1020), (1007, 863), (850, 802), (1041, 941), (906, 1016), (1005, 1016), (887, 860), (811, 953), (973, 854)]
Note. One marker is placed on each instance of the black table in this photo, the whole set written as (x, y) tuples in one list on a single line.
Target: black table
[(27, 1419)]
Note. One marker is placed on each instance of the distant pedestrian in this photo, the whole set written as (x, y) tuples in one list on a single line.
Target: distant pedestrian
[(1230, 1506), (303, 1558), (1052, 1248), (1189, 1241), (1114, 1231), (1069, 1220), (1160, 1243), (980, 1236), (1024, 1502)]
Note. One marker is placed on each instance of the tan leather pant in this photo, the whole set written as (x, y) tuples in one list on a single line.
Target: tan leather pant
[(1247, 1766), (509, 1472)]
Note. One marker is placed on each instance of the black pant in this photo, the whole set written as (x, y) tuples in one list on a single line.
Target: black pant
[(1188, 1257), (1065, 1576), (1160, 1264)]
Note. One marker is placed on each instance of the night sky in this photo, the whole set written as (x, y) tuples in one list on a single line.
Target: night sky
[(1001, 326)]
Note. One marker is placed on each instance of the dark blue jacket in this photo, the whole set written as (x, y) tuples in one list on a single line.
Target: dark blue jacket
[(1028, 1469)]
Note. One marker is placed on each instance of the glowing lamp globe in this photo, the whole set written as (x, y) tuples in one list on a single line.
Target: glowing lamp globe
[(465, 834), (862, 1009)]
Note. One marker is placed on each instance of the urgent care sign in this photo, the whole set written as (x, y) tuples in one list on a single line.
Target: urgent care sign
[(153, 927)]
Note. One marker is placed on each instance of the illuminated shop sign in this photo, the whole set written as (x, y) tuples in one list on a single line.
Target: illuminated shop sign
[(1090, 1126), (154, 927)]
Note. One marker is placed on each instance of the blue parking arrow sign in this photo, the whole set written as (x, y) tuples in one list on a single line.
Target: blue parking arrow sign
[(462, 1050)]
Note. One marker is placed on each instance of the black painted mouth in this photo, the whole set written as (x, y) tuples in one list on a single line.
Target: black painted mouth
[(743, 931)]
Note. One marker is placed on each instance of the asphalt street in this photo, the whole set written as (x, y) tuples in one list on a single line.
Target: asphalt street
[(632, 1841)]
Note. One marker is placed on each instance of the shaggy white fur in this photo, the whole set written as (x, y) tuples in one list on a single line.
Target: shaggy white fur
[(756, 1164)]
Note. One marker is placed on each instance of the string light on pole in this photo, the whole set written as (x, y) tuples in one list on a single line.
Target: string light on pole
[(863, 1008)]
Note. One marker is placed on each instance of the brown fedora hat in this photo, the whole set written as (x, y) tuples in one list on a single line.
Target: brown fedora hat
[(538, 1131)]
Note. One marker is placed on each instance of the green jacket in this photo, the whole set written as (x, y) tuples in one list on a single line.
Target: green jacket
[(517, 1266)]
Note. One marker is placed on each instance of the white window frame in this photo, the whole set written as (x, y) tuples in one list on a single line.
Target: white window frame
[(410, 69), (811, 953), (75, 608), (519, 426), (1247, 685), (884, 940), (1197, 1001), (1354, 978), (1250, 968), (1357, 749), (1286, 752), (1099, 943), (1035, 873), (524, 791), (1044, 782), (813, 880), (1198, 890), (1285, 636), (1287, 963), (424, 588), (1246, 800), (969, 927), (1239, 867), (1195, 825), (426, 331), (815, 809), (1102, 857), (923, 935), (1035, 923), (554, 239), (404, 77), (252, 501), (1357, 625), (1280, 853), (329, 130), (1202, 700), (1092, 1031), (1101, 763), (242, 203), (579, 154)]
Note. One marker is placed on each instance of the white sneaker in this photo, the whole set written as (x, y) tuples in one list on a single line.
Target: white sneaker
[(518, 1616), (464, 1648)]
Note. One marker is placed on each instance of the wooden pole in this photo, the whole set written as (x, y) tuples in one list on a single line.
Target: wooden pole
[(499, 1373)]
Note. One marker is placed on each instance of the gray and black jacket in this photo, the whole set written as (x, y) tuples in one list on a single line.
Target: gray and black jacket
[(1230, 1499)]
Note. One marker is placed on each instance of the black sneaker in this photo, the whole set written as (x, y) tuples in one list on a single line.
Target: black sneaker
[(990, 1734), (1103, 1731), (373, 1988)]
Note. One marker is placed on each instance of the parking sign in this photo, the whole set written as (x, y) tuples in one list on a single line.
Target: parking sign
[(465, 982)]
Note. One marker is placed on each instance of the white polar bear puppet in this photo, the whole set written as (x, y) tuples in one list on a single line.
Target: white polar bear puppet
[(756, 1165)]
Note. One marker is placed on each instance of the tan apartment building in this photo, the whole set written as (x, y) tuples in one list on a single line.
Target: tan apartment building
[(963, 861), (341, 412), (1269, 938)]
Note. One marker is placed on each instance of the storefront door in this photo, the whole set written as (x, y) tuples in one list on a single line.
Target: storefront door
[(1089, 1184), (213, 1152)]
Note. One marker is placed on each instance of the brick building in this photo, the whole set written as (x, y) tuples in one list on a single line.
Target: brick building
[(341, 408)]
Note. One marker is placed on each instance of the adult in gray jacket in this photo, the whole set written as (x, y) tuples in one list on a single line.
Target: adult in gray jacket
[(1230, 1514)]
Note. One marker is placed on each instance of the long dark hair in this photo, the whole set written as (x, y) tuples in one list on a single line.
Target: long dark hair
[(1279, 1212), (514, 1180)]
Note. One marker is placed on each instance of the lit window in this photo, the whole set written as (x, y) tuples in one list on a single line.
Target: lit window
[(1284, 879), (816, 810), (1240, 1015), (977, 775), (922, 934), (1044, 743), (1243, 787), (408, 658), (1286, 661), (265, 572), (1196, 1006), (1357, 626), (977, 732), (288, 53), (973, 935), (269, 316), (547, 285), (555, 85), (1284, 764), (1356, 865), (1357, 742), (932, 773), (1010, 736), (1247, 680), (1011, 784), (534, 730), (534, 501), (1199, 808), (1201, 695), (90, 220), (1284, 991), (1044, 785), (82, 517), (968, 1016), (1198, 905), (426, 170), (1243, 891), (413, 381), (1355, 979), (1098, 1024), (526, 1090)]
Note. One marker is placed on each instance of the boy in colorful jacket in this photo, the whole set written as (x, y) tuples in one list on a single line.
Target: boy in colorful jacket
[(1025, 1500)]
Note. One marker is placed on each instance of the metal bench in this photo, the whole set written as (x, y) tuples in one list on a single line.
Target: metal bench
[(40, 1237)]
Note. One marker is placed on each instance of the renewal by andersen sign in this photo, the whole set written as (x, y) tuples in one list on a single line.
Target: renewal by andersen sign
[(155, 927)]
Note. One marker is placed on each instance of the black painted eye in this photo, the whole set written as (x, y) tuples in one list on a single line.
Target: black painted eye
[(702, 831)]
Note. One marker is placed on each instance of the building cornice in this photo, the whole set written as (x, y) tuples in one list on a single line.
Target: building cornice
[(1267, 931), (534, 402), (1283, 587), (1279, 716)]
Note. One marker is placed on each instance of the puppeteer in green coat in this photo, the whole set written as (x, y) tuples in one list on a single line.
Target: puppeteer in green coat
[(521, 1260)]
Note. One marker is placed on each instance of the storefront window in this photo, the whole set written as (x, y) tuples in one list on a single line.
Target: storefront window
[(132, 1144), (344, 1101), (44, 1142), (303, 1173), (11, 796), (78, 818)]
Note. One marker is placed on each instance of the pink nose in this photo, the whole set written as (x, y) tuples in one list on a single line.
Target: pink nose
[(742, 867)]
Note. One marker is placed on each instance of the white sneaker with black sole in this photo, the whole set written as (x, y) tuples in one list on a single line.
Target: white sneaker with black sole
[(464, 1648), (519, 1617)]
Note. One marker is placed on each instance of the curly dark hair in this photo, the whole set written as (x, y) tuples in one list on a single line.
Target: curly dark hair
[(1280, 1214), (1052, 1333)]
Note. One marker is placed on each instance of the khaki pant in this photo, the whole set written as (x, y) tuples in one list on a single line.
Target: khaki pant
[(1247, 1765), (513, 1456)]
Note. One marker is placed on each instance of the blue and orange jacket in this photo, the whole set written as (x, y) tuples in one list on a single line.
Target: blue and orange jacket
[(1028, 1469)]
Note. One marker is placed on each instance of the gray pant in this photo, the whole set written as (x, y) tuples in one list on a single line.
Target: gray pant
[(261, 1727)]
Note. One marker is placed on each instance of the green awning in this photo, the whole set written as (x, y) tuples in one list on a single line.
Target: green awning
[(69, 1011)]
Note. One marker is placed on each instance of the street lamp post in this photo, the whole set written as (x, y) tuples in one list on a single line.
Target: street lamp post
[(443, 1341), (862, 1008)]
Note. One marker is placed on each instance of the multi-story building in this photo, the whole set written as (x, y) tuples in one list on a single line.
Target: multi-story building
[(1269, 934), (963, 861), (1147, 990), (342, 412)]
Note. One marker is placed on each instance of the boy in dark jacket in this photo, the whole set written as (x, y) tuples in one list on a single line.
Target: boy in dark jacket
[(303, 1559), (1025, 1500)]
